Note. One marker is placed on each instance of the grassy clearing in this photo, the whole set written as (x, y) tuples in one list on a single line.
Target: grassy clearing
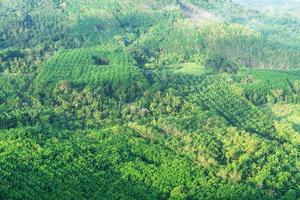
[(187, 68), (290, 113)]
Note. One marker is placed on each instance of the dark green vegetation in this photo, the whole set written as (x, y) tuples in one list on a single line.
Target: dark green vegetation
[(148, 99)]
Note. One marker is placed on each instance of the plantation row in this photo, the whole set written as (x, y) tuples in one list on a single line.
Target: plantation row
[(143, 99), (114, 163), (222, 152), (266, 86), (106, 67), (235, 110), (214, 93)]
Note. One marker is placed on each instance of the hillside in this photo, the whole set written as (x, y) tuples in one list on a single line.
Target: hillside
[(279, 23), (269, 3), (149, 99)]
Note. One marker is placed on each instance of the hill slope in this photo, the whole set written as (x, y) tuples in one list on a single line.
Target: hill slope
[(148, 99)]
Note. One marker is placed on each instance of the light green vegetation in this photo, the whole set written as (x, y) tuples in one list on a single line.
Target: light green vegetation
[(186, 68), (90, 66), (289, 113)]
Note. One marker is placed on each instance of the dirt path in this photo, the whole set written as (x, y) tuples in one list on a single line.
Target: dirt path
[(195, 13)]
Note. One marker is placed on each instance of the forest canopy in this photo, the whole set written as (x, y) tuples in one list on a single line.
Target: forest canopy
[(149, 99)]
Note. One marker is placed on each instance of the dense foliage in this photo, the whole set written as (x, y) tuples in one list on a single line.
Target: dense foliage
[(148, 99)]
